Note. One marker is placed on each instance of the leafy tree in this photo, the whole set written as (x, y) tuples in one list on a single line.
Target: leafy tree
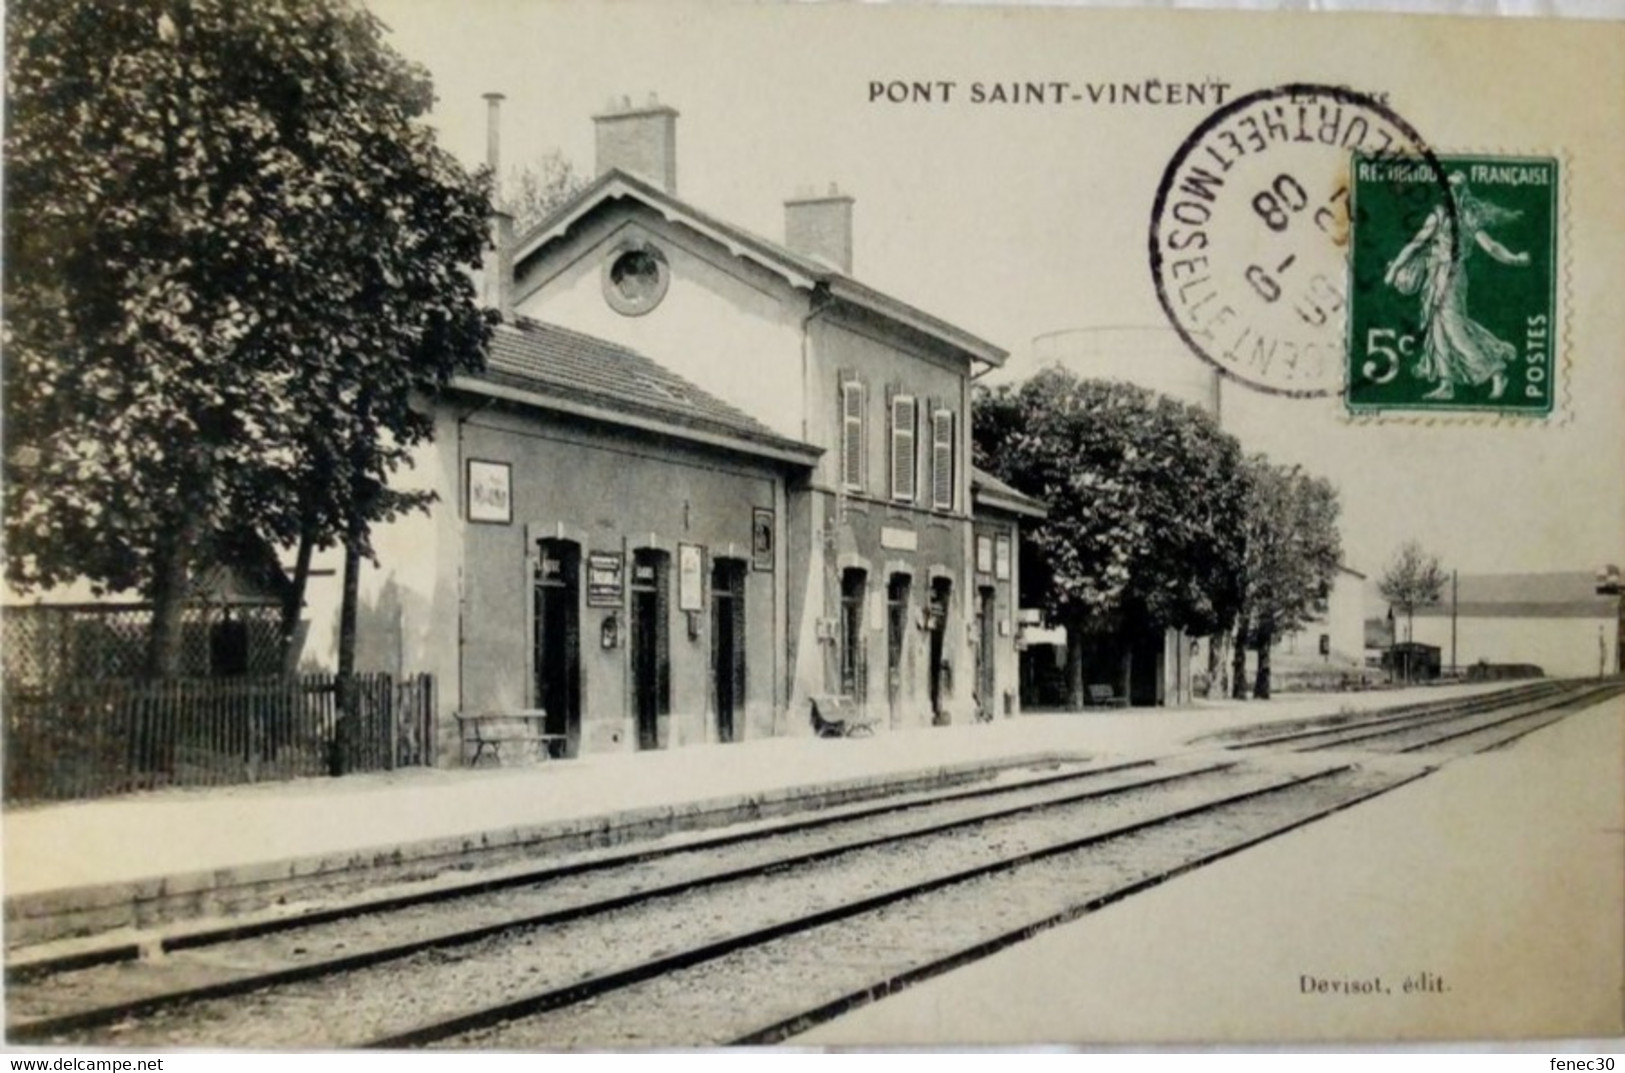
[(532, 192), (234, 260), (1291, 551), (1144, 505), (1412, 579)]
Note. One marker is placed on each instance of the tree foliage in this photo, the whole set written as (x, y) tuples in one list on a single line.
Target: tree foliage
[(1412, 579), (234, 258), (1144, 498), (531, 192), (1291, 552)]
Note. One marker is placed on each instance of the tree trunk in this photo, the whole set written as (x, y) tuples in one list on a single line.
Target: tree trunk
[(1238, 663), (293, 601), (1261, 687), (1075, 696), (170, 585), (345, 731)]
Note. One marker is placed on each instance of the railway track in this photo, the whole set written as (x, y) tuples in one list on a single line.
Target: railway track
[(1459, 725), (746, 936)]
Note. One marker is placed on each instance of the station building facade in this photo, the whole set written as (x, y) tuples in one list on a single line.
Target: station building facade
[(884, 603), (705, 478)]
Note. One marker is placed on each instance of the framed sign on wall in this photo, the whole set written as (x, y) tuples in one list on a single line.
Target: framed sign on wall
[(690, 577), (761, 539), (604, 578), (984, 555), (490, 492)]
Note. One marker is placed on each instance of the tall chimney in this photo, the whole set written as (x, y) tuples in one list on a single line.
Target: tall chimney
[(639, 139), (820, 225), (498, 269), (493, 143)]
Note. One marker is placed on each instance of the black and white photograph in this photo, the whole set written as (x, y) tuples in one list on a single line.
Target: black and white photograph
[(542, 526)]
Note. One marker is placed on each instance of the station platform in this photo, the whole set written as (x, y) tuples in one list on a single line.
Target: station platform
[(137, 861)]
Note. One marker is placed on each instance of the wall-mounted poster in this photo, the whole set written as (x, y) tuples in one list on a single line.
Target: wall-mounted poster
[(761, 539), (604, 578), (1001, 558), (984, 555), (690, 577), (490, 492)]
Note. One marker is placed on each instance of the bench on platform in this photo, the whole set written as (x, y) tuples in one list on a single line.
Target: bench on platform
[(1103, 696), (838, 717), (522, 731)]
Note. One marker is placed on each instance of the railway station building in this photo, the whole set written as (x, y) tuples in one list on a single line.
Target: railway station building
[(705, 478)]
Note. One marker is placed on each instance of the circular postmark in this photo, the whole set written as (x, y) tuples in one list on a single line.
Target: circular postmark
[(1251, 227)]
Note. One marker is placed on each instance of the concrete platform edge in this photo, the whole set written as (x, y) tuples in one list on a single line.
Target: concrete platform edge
[(47, 916)]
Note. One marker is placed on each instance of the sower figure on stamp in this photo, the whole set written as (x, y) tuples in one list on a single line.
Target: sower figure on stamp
[(1455, 348)]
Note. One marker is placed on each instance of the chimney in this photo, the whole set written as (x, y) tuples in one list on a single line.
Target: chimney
[(820, 225), (498, 270), (640, 139)]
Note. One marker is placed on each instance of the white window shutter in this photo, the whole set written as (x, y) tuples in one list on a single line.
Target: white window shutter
[(903, 464), (852, 434), (942, 459)]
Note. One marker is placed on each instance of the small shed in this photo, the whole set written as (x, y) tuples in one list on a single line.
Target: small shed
[(1412, 661)]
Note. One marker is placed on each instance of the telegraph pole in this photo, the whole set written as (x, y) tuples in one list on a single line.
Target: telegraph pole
[(1452, 623), (1609, 584)]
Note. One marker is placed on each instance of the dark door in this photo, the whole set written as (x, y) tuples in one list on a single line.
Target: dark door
[(986, 626), (852, 676), (896, 632), (557, 639), (728, 645), (651, 678), (941, 683)]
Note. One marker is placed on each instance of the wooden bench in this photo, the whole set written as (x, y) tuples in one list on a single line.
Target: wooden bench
[(837, 717), (489, 732), (1103, 696)]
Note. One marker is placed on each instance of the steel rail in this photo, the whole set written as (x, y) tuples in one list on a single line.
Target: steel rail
[(133, 950), (46, 1027), (1558, 710), (558, 997), (1524, 707), (1408, 714), (796, 1024)]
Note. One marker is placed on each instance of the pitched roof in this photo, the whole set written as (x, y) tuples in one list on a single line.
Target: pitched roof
[(799, 269), (988, 489), (546, 365), (1565, 594)]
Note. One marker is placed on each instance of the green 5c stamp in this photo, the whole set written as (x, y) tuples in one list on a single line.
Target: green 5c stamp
[(1453, 301)]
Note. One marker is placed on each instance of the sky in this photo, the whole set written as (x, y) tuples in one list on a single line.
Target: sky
[(1016, 220)]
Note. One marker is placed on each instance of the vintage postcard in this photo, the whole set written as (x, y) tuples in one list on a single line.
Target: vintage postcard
[(927, 526)]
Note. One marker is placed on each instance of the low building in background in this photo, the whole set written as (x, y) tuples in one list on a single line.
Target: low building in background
[(1555, 621)]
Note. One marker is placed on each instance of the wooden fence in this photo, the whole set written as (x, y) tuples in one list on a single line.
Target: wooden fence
[(91, 738)]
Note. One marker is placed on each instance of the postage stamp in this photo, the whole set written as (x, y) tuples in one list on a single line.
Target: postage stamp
[(1453, 292), (1250, 231)]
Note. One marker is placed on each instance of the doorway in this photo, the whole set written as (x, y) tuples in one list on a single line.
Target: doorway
[(940, 671), (986, 628), (896, 631), (556, 639), (853, 684), (651, 644), (728, 646)]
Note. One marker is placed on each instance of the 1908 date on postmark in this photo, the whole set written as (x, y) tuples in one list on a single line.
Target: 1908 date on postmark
[(1453, 296)]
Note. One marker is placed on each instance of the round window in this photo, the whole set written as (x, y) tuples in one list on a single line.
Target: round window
[(635, 279)]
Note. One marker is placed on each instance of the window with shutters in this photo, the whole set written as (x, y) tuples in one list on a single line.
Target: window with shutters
[(942, 459), (903, 466), (852, 435)]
